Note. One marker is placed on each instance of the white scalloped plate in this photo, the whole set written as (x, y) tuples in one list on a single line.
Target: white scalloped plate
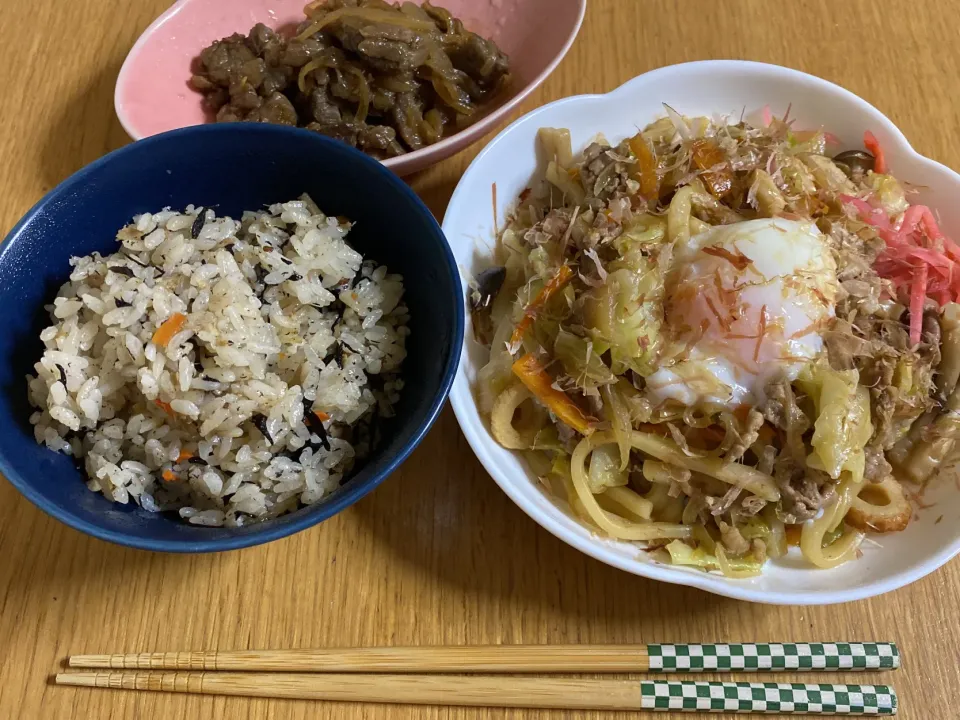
[(704, 88)]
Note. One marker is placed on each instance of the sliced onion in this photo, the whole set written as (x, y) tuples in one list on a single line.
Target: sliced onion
[(678, 122)]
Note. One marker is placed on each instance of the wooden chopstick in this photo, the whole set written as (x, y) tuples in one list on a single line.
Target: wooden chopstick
[(512, 692), (726, 657)]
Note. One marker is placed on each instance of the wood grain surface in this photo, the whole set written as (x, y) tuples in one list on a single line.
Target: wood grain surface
[(438, 554)]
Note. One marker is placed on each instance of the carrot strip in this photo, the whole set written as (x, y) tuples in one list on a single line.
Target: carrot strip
[(170, 327), (163, 406), (169, 475), (538, 381), (646, 168), (321, 416), (554, 285), (873, 145), (184, 456), (706, 154)]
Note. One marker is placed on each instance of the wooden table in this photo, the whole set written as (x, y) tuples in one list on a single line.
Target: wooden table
[(438, 554)]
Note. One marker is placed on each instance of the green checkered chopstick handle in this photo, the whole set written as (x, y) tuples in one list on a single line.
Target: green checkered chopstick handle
[(768, 657), (509, 691), (787, 698)]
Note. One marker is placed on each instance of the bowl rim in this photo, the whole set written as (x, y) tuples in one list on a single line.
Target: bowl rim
[(480, 128), (478, 436), (350, 495)]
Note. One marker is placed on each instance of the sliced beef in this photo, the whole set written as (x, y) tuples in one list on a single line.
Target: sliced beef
[(386, 84)]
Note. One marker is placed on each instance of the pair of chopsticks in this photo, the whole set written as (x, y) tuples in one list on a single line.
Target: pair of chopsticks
[(353, 675)]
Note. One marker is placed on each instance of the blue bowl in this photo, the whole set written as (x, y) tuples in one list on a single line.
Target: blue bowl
[(233, 167)]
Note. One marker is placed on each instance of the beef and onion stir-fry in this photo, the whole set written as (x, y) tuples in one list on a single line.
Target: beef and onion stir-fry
[(724, 339), (384, 78)]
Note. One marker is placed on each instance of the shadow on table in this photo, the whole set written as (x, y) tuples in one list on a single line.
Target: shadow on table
[(443, 513), (82, 128)]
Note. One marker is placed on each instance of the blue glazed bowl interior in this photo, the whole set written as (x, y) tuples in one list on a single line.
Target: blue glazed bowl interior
[(233, 168)]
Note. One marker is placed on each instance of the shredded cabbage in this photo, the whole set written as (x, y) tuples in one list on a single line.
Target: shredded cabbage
[(581, 361), (683, 554), (605, 469), (626, 315), (843, 426), (816, 143), (640, 233), (827, 174), (889, 193), (618, 413)]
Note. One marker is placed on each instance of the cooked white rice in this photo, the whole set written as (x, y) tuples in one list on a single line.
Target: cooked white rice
[(264, 398)]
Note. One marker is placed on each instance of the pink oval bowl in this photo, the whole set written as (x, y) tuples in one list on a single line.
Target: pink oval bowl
[(153, 93)]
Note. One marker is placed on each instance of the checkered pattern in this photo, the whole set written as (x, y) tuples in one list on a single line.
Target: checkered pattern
[(773, 656), (768, 698)]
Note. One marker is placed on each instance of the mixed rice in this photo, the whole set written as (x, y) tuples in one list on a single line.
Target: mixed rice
[(226, 370)]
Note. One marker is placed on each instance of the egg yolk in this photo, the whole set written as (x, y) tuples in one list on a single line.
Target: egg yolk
[(745, 305)]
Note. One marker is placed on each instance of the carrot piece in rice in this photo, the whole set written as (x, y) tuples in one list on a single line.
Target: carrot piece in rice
[(170, 327)]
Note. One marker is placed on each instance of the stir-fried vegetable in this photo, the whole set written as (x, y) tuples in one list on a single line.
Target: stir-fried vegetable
[(563, 275), (842, 427), (935, 443), (707, 156), (626, 312), (949, 371), (873, 145), (618, 413), (918, 257), (645, 171), (683, 554), (538, 381), (888, 193), (725, 454), (604, 470), (581, 361)]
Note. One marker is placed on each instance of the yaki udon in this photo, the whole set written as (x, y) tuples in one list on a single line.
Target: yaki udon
[(716, 339)]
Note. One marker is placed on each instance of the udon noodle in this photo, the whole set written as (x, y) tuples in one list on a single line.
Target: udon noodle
[(719, 341)]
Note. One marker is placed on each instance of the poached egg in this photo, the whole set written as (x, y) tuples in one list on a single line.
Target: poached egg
[(745, 305)]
